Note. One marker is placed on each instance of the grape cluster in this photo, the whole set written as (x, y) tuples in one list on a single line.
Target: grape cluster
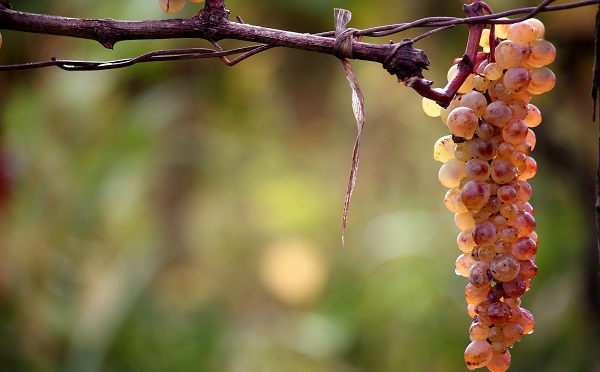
[(173, 6), (486, 165)]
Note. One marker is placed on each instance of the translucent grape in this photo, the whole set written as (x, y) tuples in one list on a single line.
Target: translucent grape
[(478, 331), (477, 169), (524, 248), (451, 172), (495, 333), (482, 149), (542, 53), (505, 150), (509, 210), (542, 80), (499, 362), (497, 113), (528, 269), (512, 333), (443, 149), (484, 40), (461, 151), (464, 220), (484, 234), (524, 190), (507, 194), (531, 138), (475, 101), (538, 25), (522, 33), (171, 6), (430, 107), (503, 171), (463, 264), (477, 354), (452, 71), (465, 241), (526, 320), (446, 111), (474, 295), (481, 83), (514, 132), (453, 201), (523, 222), (504, 267), (493, 71), (480, 275), (467, 85), (534, 117), (485, 130), (530, 169), (475, 194), (514, 288), (498, 92), (519, 108), (513, 303), (516, 79), (508, 54), (501, 30), (462, 122)]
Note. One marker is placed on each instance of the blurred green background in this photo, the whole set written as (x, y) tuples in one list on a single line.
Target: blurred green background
[(186, 216)]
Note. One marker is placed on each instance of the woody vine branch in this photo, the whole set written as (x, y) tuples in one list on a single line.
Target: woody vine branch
[(212, 24)]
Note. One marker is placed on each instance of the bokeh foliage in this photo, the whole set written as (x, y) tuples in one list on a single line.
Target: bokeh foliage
[(186, 216)]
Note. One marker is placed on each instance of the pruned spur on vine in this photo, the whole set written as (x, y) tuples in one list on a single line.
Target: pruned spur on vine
[(488, 106)]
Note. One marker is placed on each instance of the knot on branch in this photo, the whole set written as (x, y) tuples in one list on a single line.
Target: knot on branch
[(343, 36), (406, 62), (214, 11)]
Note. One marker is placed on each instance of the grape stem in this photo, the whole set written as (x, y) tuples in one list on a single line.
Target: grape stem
[(212, 24)]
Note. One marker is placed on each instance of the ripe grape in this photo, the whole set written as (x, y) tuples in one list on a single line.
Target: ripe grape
[(453, 201), (465, 240), (475, 101), (463, 264), (430, 107), (475, 194), (542, 80), (514, 132), (522, 33), (477, 354), (499, 362), (493, 71), (542, 53), (508, 54), (480, 275), (501, 30), (462, 122), (451, 172), (497, 113), (516, 79), (477, 169), (464, 220), (478, 331), (504, 267), (443, 150)]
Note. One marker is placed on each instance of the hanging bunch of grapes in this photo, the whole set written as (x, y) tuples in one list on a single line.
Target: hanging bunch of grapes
[(486, 166)]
